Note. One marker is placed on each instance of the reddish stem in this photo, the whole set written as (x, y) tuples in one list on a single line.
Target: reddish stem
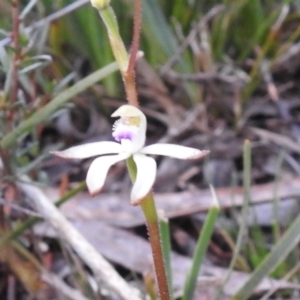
[(149, 209), (137, 20), (129, 75), (154, 237), (16, 57), (130, 87)]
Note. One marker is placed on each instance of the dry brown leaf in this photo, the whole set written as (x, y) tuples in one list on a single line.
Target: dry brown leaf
[(134, 253), (116, 210)]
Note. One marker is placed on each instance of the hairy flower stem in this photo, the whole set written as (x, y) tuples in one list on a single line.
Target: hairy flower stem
[(130, 87), (129, 76), (137, 21), (149, 210)]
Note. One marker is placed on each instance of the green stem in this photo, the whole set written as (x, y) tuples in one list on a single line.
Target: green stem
[(126, 64), (110, 21), (149, 210)]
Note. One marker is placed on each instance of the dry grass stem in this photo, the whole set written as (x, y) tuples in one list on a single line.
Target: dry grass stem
[(103, 271)]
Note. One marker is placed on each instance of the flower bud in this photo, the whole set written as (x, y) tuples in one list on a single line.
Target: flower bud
[(100, 4)]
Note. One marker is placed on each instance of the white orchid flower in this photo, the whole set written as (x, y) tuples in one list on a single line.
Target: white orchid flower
[(130, 133)]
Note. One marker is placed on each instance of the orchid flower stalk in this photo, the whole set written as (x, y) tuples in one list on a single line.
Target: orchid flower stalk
[(130, 135)]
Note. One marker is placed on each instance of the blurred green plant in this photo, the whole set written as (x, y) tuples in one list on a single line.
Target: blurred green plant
[(243, 34), (247, 29)]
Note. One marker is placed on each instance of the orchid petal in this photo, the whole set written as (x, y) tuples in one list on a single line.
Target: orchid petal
[(89, 150), (98, 171), (127, 111), (175, 151), (146, 173)]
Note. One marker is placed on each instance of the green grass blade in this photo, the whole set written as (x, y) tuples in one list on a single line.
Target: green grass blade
[(155, 21), (280, 251), (94, 43), (243, 225), (44, 113), (201, 248), (166, 248), (158, 32)]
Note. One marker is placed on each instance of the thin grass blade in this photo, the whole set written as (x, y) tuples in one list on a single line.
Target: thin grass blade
[(201, 248)]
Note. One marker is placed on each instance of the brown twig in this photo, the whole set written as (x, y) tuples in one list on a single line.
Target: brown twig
[(8, 186), (203, 77), (61, 286), (16, 46)]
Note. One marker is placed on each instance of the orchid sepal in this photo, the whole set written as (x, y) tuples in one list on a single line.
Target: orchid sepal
[(89, 150), (145, 177), (98, 170), (174, 151)]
